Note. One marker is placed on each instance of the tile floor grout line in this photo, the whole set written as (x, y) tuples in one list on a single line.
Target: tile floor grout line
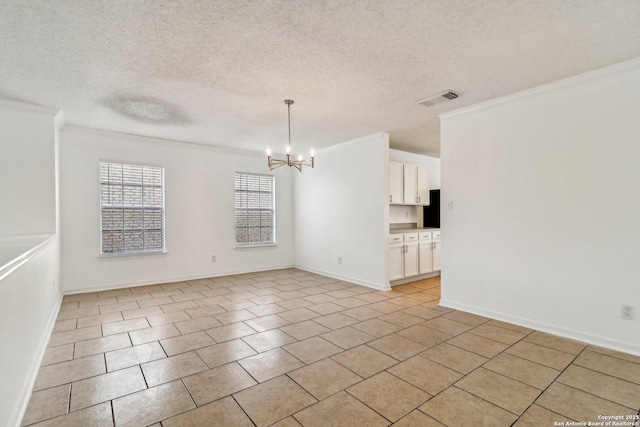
[(590, 348), (113, 412), (546, 409), (528, 360), (434, 396), (144, 377), (241, 408), (497, 373), (606, 355), (69, 398), (553, 382), (471, 351), (365, 344), (244, 369), (553, 348), (594, 395), (495, 404), (600, 372), (505, 352), (412, 385), (377, 412), (191, 396)]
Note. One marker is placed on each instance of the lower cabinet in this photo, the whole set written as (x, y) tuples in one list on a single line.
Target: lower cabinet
[(436, 256), (429, 256), (403, 260), (410, 259), (396, 261), (426, 257), (413, 254), (429, 251)]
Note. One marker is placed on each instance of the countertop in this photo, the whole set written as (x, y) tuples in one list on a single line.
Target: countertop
[(411, 230)]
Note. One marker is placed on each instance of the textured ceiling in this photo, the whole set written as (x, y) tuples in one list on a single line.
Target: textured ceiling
[(216, 72)]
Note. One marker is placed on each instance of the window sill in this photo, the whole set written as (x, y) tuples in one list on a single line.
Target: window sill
[(254, 246), (132, 254)]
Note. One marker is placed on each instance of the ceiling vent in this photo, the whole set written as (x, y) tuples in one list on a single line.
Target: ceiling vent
[(438, 98)]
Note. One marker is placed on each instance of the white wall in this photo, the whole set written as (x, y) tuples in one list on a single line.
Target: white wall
[(546, 192), (399, 214), (29, 289), (29, 303), (199, 203), (341, 210), (27, 169)]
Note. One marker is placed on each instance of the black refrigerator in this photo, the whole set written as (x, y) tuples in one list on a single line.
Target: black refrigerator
[(431, 213)]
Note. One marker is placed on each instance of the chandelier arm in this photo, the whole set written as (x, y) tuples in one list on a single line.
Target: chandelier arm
[(275, 164)]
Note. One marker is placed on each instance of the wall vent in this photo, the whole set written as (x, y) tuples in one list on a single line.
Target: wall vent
[(438, 98)]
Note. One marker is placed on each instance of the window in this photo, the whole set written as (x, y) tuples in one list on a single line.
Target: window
[(255, 209), (132, 208)]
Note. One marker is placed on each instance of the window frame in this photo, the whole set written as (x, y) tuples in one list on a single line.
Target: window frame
[(273, 242), (130, 253)]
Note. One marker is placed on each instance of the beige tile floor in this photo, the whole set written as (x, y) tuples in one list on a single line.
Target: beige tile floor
[(291, 348)]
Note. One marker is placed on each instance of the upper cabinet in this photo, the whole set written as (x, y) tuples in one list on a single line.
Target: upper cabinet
[(408, 184), (423, 186), (395, 183)]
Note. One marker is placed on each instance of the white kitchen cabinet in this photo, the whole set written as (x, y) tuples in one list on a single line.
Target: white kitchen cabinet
[(423, 186), (426, 256), (396, 261), (395, 183), (429, 251), (403, 256), (437, 266), (413, 253), (410, 180), (410, 259), (408, 184)]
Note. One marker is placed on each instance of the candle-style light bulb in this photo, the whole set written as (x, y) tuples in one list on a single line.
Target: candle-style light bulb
[(312, 153), (288, 149), (268, 151), (299, 157)]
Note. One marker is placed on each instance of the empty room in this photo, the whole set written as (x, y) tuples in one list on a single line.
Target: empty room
[(321, 213)]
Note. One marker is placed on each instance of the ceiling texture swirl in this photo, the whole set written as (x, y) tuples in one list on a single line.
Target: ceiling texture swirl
[(216, 72)]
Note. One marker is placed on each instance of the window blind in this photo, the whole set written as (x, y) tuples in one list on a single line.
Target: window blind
[(132, 208), (254, 209)]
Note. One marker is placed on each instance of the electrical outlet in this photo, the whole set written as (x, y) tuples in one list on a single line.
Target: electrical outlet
[(213, 258), (449, 205), (627, 312), (339, 260)]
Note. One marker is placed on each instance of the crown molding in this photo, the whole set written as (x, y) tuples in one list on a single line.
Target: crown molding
[(152, 139), (32, 108), (620, 68)]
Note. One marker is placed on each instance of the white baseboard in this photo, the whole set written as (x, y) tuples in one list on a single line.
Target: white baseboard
[(625, 347), (159, 281), (27, 386), (377, 286)]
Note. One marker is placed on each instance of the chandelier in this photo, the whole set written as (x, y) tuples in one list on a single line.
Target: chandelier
[(276, 163)]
